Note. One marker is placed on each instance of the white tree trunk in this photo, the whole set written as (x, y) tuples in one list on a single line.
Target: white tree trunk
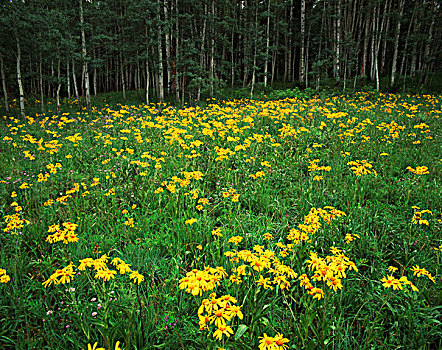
[(167, 41), (302, 55), (160, 62), (19, 81), (5, 93), (74, 80), (338, 43), (85, 68), (58, 85), (68, 78), (267, 45), (203, 40), (396, 43)]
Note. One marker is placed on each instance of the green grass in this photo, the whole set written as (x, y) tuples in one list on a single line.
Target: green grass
[(136, 150)]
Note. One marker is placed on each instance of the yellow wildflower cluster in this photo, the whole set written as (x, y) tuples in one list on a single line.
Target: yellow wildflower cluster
[(201, 203), (261, 261), (392, 130), (94, 346), (111, 192), (312, 223), (420, 170), (67, 235), (53, 168), (64, 199), (74, 138), (417, 217), (257, 175), (102, 271), (351, 237), (278, 342), (43, 178), (190, 221), (4, 278), (331, 270), (418, 271), (171, 186), (198, 281), (232, 194), (313, 166), (397, 284), (362, 167), (217, 232), (235, 239), (219, 312), (14, 222)]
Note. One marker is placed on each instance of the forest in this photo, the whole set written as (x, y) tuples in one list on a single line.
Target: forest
[(186, 49)]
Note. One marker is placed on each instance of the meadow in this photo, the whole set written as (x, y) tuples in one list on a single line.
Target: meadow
[(295, 223)]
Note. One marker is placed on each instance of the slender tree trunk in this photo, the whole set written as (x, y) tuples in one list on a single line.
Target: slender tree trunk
[(426, 57), (275, 54), (212, 52), (232, 59), (74, 80), (123, 80), (50, 80), (85, 65), (396, 43), (338, 43), (138, 75), (384, 45), (58, 83), (289, 48), (95, 76), (203, 40), (414, 50), (167, 42), (160, 61), (254, 52), (407, 39), (302, 54), (68, 78), (5, 92), (306, 57), (177, 54), (19, 79), (266, 63)]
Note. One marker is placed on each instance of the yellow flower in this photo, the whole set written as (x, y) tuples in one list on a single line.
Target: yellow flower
[(280, 341), (264, 282), (106, 274), (388, 281), (123, 268), (268, 236), (392, 269), (94, 347), (223, 329), (137, 277), (266, 342), (191, 221), (217, 232)]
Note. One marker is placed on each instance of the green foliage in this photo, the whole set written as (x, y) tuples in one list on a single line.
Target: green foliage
[(250, 173)]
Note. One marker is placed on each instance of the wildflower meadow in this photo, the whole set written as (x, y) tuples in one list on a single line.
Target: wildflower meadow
[(270, 224)]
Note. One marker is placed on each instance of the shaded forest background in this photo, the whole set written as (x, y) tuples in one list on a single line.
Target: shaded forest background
[(190, 49)]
